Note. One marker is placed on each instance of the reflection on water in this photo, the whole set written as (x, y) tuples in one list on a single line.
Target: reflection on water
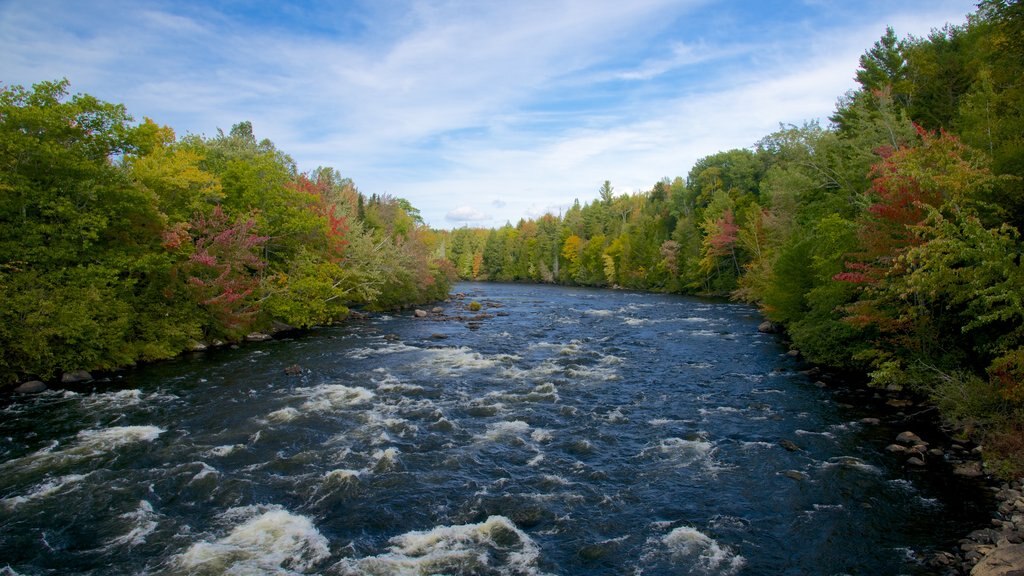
[(585, 432)]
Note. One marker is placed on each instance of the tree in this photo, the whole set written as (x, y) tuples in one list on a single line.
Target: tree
[(884, 66)]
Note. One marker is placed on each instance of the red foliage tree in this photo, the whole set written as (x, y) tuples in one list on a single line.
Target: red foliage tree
[(336, 227), (223, 271)]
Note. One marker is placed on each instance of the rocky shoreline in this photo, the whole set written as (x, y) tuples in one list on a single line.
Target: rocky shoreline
[(997, 550), (993, 550)]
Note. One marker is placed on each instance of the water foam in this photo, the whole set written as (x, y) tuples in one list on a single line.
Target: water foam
[(330, 397), (90, 443), (692, 545), (452, 360), (506, 430), (270, 540), (44, 490), (681, 450), (494, 546), (224, 450), (142, 521), (364, 353)]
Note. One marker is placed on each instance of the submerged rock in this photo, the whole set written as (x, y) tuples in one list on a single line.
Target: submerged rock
[(789, 445)]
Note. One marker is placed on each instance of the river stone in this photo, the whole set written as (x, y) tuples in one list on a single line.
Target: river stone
[(793, 353), (257, 337), (789, 445), (969, 470), (909, 438), (915, 461), (437, 310), (31, 387), (870, 421), (895, 449), (767, 327), (197, 347), (420, 313), (1002, 561), (75, 377)]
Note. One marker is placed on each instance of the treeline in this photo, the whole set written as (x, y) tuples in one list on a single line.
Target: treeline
[(888, 242), (120, 242)]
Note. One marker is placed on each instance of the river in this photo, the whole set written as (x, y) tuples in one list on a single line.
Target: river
[(569, 431)]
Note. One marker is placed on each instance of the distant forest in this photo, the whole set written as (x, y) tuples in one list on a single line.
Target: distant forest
[(887, 242)]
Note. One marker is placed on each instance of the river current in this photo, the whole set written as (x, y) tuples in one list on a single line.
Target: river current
[(569, 431)]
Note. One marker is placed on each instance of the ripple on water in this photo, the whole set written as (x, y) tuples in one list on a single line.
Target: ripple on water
[(88, 444)]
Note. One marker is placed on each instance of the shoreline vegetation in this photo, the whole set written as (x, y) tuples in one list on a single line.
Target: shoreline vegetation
[(122, 243)]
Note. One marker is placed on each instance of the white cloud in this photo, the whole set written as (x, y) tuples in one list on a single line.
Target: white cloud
[(466, 214)]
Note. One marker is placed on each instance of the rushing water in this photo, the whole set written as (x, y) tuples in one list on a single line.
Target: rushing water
[(573, 432)]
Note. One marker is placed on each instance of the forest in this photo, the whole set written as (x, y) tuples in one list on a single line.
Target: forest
[(886, 243), (121, 242)]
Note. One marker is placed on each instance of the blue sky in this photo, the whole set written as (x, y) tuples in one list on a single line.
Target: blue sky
[(477, 112)]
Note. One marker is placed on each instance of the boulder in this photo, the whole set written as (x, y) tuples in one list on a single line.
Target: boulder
[(31, 387), (257, 337), (969, 469), (915, 461), (420, 313), (909, 438), (1002, 561), (768, 327), (278, 327), (197, 347), (793, 353), (437, 310), (75, 377)]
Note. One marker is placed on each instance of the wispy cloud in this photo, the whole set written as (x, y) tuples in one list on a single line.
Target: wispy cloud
[(520, 106), (466, 214)]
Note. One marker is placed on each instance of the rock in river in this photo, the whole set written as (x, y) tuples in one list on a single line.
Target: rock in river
[(31, 387)]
